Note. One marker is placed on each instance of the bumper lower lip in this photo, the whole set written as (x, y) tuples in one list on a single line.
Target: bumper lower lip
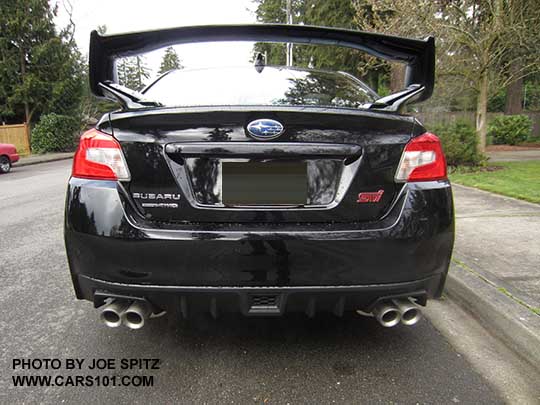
[(260, 301)]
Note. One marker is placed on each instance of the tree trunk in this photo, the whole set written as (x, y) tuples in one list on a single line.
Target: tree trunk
[(26, 112), (514, 94), (397, 77), (30, 115), (481, 113), (23, 76), (139, 78), (372, 78)]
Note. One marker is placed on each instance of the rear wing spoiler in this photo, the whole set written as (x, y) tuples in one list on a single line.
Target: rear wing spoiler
[(418, 55)]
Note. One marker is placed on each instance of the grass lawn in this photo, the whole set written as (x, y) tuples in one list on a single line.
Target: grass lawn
[(514, 179)]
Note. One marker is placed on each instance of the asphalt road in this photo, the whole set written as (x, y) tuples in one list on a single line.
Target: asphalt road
[(231, 360)]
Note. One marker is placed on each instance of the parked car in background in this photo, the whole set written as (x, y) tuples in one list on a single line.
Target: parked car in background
[(259, 189), (8, 156)]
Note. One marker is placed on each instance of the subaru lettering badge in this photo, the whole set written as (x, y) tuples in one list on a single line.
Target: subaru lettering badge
[(265, 129)]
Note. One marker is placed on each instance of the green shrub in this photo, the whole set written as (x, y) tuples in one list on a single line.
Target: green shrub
[(54, 133), (510, 129), (459, 143)]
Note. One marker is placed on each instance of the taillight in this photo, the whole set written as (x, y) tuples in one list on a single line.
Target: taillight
[(99, 156), (422, 160)]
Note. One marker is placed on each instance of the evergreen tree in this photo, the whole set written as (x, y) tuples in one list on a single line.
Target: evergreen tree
[(274, 11), (330, 13), (133, 72), (170, 61), (40, 69)]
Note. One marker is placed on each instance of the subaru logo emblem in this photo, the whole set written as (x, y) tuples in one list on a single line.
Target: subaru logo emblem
[(265, 129)]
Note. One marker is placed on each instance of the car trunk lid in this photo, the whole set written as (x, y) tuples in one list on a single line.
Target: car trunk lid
[(202, 164)]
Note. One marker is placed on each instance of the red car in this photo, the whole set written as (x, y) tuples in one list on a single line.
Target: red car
[(8, 156)]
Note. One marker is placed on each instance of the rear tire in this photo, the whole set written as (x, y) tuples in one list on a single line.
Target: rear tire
[(5, 164)]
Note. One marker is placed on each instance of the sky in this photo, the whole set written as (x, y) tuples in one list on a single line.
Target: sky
[(136, 15)]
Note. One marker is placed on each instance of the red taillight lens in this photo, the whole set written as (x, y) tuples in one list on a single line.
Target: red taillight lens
[(99, 156), (422, 160)]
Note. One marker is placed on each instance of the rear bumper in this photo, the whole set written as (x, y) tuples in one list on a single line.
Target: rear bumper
[(14, 157), (257, 301), (304, 267)]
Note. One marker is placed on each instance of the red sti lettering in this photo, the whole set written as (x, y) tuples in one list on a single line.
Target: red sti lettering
[(370, 197)]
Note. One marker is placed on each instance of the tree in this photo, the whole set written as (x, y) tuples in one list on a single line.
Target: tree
[(477, 40), (331, 13), (514, 88), (170, 61), (274, 11), (514, 96), (133, 72), (40, 69)]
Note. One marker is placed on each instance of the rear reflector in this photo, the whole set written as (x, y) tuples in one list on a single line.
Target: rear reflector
[(99, 156), (422, 160)]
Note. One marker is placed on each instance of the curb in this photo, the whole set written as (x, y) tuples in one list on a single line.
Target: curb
[(43, 160), (514, 324)]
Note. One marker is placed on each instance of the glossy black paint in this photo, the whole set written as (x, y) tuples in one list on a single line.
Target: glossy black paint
[(110, 246), (251, 150), (347, 151), (331, 254), (418, 55)]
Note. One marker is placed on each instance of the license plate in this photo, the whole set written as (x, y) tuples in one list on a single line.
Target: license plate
[(264, 183)]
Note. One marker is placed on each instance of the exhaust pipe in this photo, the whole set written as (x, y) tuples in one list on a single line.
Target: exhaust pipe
[(387, 314), (136, 315), (111, 314), (410, 313)]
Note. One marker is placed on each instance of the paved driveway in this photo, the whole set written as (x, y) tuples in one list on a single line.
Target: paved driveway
[(231, 360)]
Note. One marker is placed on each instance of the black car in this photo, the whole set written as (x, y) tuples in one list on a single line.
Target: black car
[(259, 189)]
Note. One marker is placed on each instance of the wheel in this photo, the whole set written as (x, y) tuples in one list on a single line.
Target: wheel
[(5, 164)]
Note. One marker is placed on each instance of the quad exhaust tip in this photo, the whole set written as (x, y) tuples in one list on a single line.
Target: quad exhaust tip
[(135, 314)]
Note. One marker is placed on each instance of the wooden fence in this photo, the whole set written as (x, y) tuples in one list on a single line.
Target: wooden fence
[(18, 135)]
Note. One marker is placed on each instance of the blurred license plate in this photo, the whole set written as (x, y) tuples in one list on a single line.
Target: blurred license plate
[(264, 183)]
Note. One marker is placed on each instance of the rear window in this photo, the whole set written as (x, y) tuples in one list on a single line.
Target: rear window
[(246, 86)]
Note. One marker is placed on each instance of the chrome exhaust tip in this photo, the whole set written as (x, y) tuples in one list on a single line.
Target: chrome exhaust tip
[(111, 314), (136, 315), (410, 313), (387, 314)]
